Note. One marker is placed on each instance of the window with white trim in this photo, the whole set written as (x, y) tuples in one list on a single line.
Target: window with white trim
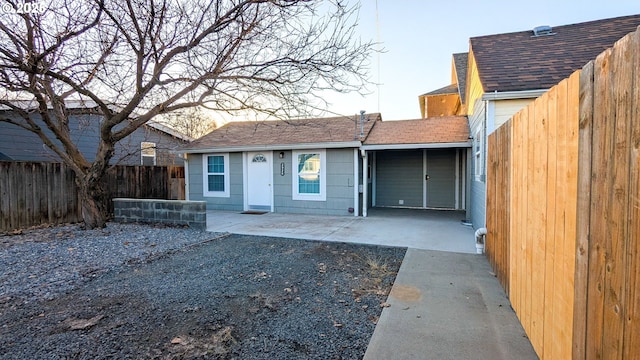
[(478, 153), (309, 175), (216, 175), (148, 153)]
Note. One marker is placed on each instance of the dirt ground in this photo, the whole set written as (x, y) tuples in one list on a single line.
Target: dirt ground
[(239, 297)]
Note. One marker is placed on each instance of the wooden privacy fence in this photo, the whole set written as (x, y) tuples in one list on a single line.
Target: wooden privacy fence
[(563, 211), (33, 193)]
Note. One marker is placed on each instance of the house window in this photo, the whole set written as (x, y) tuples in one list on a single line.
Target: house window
[(478, 155), (216, 175), (309, 175), (259, 158), (148, 152)]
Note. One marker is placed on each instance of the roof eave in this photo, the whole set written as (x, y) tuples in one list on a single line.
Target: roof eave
[(326, 145), (464, 144), (513, 95)]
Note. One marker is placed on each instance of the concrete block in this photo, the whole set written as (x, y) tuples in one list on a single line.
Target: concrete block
[(162, 214), (197, 225), (136, 213), (148, 214), (187, 216)]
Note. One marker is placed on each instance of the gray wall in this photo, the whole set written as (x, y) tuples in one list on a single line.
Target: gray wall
[(478, 200), (175, 212), (21, 145), (235, 201), (399, 177), (340, 186)]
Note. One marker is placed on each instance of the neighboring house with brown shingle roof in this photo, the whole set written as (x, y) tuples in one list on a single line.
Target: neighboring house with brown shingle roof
[(316, 165), (508, 71)]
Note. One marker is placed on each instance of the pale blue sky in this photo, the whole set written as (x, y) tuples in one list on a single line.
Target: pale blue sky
[(420, 36)]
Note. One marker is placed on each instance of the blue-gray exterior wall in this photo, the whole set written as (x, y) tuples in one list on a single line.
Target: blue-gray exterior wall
[(340, 186), (235, 201), (19, 144), (339, 191), (477, 125)]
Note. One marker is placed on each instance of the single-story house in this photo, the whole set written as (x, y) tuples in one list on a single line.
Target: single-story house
[(331, 166), (503, 73), (151, 144)]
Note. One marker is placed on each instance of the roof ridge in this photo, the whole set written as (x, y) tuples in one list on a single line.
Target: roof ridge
[(564, 26)]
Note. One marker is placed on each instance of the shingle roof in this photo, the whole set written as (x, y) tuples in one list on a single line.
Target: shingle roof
[(246, 134), (446, 129), (461, 61), (447, 90), (520, 61)]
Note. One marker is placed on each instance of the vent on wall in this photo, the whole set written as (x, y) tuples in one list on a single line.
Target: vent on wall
[(544, 30)]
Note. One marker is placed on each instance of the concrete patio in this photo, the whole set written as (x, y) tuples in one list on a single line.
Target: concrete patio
[(416, 229)]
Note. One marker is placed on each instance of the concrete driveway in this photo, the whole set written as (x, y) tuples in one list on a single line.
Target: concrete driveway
[(416, 229)]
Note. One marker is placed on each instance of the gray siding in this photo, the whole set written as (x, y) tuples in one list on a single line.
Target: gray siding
[(235, 201), (399, 177), (340, 186), (478, 186), (478, 204), (21, 145)]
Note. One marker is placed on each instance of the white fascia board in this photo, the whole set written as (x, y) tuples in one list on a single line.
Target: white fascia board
[(330, 145), (513, 95), (417, 146)]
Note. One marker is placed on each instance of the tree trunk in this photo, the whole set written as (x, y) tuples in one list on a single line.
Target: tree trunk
[(94, 199)]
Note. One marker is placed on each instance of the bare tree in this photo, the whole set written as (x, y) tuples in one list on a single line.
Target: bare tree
[(133, 60), (193, 122)]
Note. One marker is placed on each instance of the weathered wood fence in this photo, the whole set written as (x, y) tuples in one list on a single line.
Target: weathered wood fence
[(563, 211), (33, 193)]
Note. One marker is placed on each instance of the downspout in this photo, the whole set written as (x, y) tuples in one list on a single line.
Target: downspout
[(481, 235), (365, 181)]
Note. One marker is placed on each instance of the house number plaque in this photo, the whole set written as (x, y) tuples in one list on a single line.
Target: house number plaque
[(282, 169)]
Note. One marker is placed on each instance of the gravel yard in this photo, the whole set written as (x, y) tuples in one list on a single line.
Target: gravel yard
[(145, 292)]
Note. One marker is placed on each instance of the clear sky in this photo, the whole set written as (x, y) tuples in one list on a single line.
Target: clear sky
[(420, 36)]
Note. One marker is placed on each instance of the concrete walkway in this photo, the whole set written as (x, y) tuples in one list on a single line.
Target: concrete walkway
[(445, 302), (447, 306)]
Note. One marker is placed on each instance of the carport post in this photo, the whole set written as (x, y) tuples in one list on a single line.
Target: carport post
[(365, 180)]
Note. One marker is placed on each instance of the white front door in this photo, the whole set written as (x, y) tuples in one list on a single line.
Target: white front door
[(259, 176)]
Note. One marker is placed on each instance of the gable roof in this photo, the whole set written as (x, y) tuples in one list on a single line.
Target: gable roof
[(4, 157), (85, 107), (460, 62), (521, 61), (447, 90), (426, 132), (333, 132)]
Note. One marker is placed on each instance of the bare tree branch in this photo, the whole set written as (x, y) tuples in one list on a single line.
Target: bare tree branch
[(133, 61)]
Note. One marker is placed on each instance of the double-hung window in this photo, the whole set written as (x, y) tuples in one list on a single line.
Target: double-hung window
[(216, 175), (478, 148), (309, 175)]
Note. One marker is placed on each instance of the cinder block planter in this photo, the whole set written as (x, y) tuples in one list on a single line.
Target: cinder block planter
[(171, 212)]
